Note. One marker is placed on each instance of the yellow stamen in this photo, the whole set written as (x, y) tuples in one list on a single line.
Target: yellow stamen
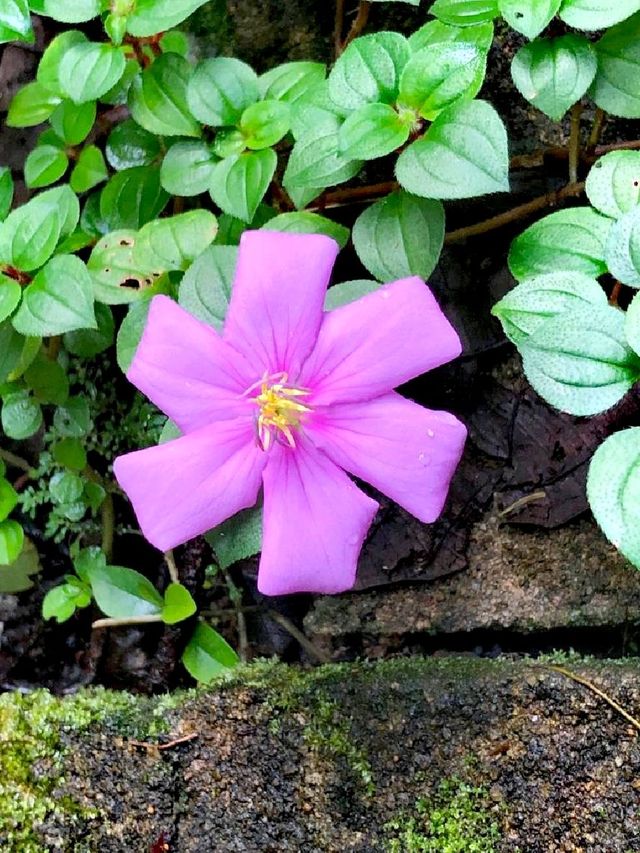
[(280, 412)]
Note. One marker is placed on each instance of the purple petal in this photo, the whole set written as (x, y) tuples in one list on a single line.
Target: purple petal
[(277, 298), (185, 487), (315, 521), (407, 452), (187, 370), (371, 346)]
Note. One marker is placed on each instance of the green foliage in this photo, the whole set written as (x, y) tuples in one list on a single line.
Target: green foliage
[(238, 538), (528, 17), (369, 70), (220, 90), (207, 655), (205, 289), (615, 87)]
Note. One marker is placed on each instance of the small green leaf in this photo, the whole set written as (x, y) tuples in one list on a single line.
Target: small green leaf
[(565, 240), (613, 183), (596, 14), (8, 498), (61, 602), (10, 296), (65, 487), (399, 236), (89, 70), (531, 303), (17, 576), (72, 122), (622, 249), (173, 243), (348, 291), (315, 113), (553, 74), (309, 223), (158, 98), (581, 363), (15, 21), (237, 538), (187, 168), (178, 604), (130, 332), (239, 183), (205, 289), (87, 559), (6, 192), (369, 71), (440, 75), (48, 74), (528, 17), (373, 130), (16, 352), (265, 123), (130, 145), (292, 81), (44, 165), (613, 490), (316, 162), (47, 380), (176, 41), (228, 141), (133, 197), (632, 324), (463, 154), (435, 32), (208, 655), (73, 420), (155, 16), (21, 418), (88, 343), (464, 13), (89, 171), (123, 593), (220, 90), (616, 87), (116, 279), (31, 105), (71, 11), (58, 300), (70, 453)]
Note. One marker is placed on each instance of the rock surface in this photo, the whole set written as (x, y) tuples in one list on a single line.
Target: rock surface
[(507, 754)]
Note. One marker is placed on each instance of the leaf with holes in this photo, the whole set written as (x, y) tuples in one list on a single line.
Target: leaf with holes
[(158, 98), (116, 279), (205, 289), (369, 70), (220, 90), (613, 183), (239, 183), (528, 17)]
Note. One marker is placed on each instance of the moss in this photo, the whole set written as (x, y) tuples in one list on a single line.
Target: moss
[(455, 819)]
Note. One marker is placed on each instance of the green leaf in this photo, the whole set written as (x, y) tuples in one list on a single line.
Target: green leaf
[(205, 289), (154, 16), (10, 296), (61, 602), (133, 197), (15, 21), (565, 240), (309, 223), (373, 130), (116, 279), (89, 70), (92, 222), (187, 168), (21, 417), (240, 182), (86, 559), (176, 41), (8, 498), (123, 593), (16, 352), (315, 113), (440, 75), (622, 249), (581, 363), (158, 98), (525, 308), (369, 71), (89, 171), (410, 2), (399, 236), (220, 90), (6, 192), (130, 145), (596, 14), (315, 160), (47, 380), (613, 183), (613, 490), (237, 538), (228, 141), (173, 243), (169, 432), (130, 332), (65, 487), (71, 11), (73, 420), (553, 74), (58, 300), (11, 544), (292, 81), (348, 291), (48, 74), (45, 165), (528, 17), (31, 105), (16, 576), (632, 324), (70, 453), (208, 655), (463, 154), (231, 229), (178, 604), (616, 87), (88, 343), (435, 32), (265, 123), (72, 122), (464, 13)]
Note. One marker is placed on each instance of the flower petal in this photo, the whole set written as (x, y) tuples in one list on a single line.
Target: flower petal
[(407, 452), (185, 487), (277, 298), (187, 370), (315, 521), (376, 343)]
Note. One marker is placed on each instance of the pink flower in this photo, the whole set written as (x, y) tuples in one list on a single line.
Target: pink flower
[(290, 398)]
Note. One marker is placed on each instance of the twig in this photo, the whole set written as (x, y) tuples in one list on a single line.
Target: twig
[(612, 702), (574, 142), (236, 599), (128, 620), (359, 23), (615, 294), (160, 746), (521, 212), (338, 27), (297, 634), (596, 129), (338, 198), (523, 501), (107, 512), (15, 461), (170, 560)]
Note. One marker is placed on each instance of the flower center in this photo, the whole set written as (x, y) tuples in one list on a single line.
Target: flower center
[(280, 409)]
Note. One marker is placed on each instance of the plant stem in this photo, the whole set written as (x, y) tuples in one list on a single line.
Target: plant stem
[(615, 294), (574, 142), (359, 23), (338, 198), (297, 634), (15, 461), (338, 27), (170, 560), (129, 620), (596, 129), (594, 689), (107, 513), (521, 212), (236, 599), (53, 348)]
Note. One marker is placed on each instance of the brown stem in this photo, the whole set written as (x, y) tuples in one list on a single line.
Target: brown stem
[(15, 461), (338, 27), (359, 23), (574, 142), (615, 294), (15, 274), (236, 599), (297, 634), (281, 197), (53, 348), (337, 198), (596, 129), (521, 212), (170, 560)]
